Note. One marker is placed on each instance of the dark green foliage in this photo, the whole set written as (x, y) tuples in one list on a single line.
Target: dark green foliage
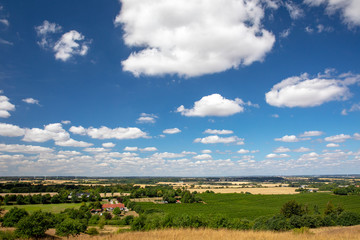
[(107, 215), (7, 235), (278, 223), (70, 227), (117, 211), (292, 208), (12, 217), (348, 219), (128, 220), (94, 219), (34, 225)]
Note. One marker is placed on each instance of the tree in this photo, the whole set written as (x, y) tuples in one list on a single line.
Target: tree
[(117, 211), (12, 217), (70, 227), (292, 208), (34, 225)]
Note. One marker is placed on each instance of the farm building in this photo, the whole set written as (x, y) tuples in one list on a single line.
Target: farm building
[(110, 207)]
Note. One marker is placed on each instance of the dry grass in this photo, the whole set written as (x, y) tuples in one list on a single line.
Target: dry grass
[(349, 233)]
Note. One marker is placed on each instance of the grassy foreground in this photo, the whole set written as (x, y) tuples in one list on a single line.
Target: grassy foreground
[(53, 208), (332, 233)]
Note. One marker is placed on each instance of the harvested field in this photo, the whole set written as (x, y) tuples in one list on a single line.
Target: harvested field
[(116, 194), (265, 191), (348, 233), (153, 199)]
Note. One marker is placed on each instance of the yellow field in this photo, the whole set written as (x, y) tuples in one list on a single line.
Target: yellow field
[(333, 233), (266, 191)]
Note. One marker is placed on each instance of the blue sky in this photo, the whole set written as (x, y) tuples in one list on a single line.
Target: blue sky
[(179, 88)]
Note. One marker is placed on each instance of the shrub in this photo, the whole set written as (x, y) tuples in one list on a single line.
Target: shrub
[(301, 230), (292, 208), (70, 227), (260, 223), (278, 223), (7, 235), (94, 219), (348, 219), (12, 217), (34, 225), (92, 231)]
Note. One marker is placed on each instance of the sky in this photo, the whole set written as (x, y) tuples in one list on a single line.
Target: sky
[(179, 88)]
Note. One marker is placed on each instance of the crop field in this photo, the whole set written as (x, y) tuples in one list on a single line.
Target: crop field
[(267, 190), (252, 206), (54, 208)]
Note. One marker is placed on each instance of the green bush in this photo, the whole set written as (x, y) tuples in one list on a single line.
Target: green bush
[(278, 223), (7, 235), (12, 217), (94, 219), (301, 230), (128, 220), (70, 227), (260, 223), (348, 219), (92, 231), (34, 225), (292, 208)]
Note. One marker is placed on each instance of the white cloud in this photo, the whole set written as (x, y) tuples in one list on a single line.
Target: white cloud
[(308, 29), (109, 145), (70, 153), (96, 150), (206, 151), (31, 101), (354, 108), (4, 21), (302, 149), (188, 153), (171, 131), (216, 139), (73, 143), (311, 134), (9, 130), (70, 44), (332, 145), (349, 9), (302, 91), (281, 149), (288, 138), (28, 149), (356, 136), (192, 38), (313, 156), (148, 149), (243, 151), (273, 155), (44, 30), (285, 33), (168, 155), (108, 133), (213, 105), (275, 115), (3, 41), (5, 106), (294, 10), (131, 149), (147, 118), (65, 122), (338, 138), (203, 157), (219, 132)]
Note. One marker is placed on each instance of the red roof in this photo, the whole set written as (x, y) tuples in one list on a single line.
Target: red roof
[(109, 205)]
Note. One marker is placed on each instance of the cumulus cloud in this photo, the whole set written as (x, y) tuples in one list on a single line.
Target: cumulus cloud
[(303, 91), (338, 138), (206, 151), (273, 155), (5, 106), (28, 149), (68, 45), (243, 151), (65, 122), (147, 118), (214, 105), (356, 136), (96, 150), (31, 101), (354, 108), (218, 132), (216, 139), (108, 133), (202, 157), (192, 38), (9, 130), (171, 131), (168, 155), (332, 145), (290, 138), (109, 145), (281, 149), (349, 9), (148, 149), (311, 134), (131, 149), (302, 149)]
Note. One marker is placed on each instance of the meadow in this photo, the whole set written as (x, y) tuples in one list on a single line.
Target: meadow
[(53, 208), (250, 206)]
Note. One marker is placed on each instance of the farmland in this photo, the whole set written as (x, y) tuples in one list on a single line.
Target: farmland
[(53, 208), (252, 206)]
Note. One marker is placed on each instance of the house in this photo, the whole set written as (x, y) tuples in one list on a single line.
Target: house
[(96, 210), (111, 207), (79, 195)]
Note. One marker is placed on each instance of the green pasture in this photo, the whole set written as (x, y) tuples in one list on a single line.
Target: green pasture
[(235, 205), (53, 208)]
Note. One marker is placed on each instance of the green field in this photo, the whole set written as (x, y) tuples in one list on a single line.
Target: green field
[(236, 205), (54, 208)]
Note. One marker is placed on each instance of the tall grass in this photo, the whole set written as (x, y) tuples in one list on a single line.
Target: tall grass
[(348, 233)]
